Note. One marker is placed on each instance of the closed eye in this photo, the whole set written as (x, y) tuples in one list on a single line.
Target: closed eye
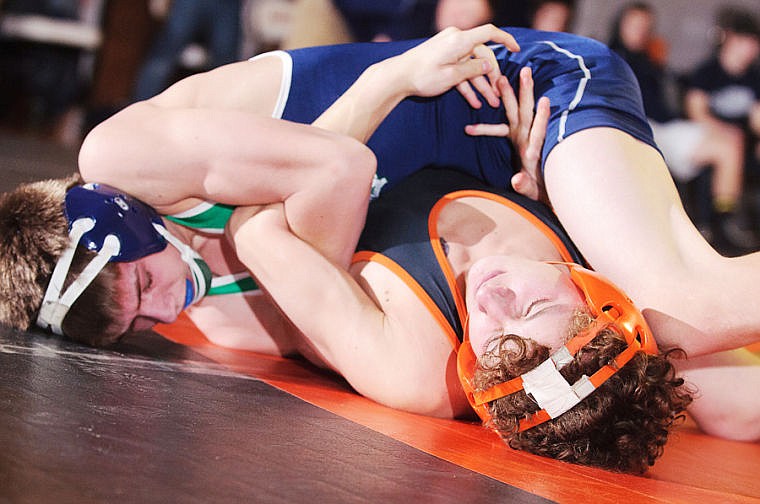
[(536, 307), (143, 281), (148, 281)]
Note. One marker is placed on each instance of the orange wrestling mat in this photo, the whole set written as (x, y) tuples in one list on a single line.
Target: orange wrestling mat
[(694, 468)]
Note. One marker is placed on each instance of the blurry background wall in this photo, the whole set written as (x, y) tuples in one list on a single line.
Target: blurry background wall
[(127, 28), (685, 25)]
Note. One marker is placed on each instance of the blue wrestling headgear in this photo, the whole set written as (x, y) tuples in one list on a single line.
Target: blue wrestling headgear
[(119, 228)]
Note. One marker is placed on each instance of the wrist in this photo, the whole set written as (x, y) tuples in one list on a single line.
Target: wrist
[(392, 75)]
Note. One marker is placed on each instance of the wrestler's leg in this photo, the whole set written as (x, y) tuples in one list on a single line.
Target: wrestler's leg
[(616, 199), (723, 148), (726, 401)]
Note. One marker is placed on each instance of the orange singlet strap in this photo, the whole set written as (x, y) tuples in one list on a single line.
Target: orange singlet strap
[(435, 238), (410, 282)]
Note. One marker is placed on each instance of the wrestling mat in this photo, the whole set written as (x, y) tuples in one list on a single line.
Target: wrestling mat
[(694, 468), (176, 419), (155, 420)]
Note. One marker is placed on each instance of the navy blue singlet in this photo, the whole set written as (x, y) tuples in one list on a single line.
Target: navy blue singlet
[(588, 85), (397, 228)]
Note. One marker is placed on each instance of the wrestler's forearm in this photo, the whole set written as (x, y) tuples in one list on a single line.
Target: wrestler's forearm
[(452, 58), (321, 299), (342, 318), (369, 100), (166, 156)]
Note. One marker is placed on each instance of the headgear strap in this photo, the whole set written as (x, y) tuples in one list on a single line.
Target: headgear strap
[(553, 394), (55, 305), (119, 228)]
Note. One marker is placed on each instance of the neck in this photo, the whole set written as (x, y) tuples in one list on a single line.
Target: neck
[(474, 228), (214, 249), (185, 235)]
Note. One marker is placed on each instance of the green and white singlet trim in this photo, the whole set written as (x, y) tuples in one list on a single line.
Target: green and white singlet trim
[(206, 217), (211, 218), (238, 283)]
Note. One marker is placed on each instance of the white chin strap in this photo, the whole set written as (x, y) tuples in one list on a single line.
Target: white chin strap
[(55, 305), (200, 273)]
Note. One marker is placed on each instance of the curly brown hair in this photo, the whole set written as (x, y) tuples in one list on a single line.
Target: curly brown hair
[(33, 235), (622, 426)]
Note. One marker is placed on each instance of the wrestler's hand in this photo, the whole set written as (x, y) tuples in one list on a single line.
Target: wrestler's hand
[(457, 58), (526, 129)]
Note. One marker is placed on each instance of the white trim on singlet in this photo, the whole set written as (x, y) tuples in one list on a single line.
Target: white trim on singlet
[(578, 93), (198, 209), (581, 84), (285, 80), (211, 231), (224, 280), (279, 108), (192, 212)]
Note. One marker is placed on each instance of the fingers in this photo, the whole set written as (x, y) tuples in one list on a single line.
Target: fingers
[(499, 130), (490, 33), (472, 70), (469, 95), (475, 62), (486, 90), (525, 185), (486, 53), (510, 101), (526, 102), (538, 130), (475, 40)]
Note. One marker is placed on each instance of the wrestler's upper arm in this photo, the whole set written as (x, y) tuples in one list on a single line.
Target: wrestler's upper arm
[(377, 350)]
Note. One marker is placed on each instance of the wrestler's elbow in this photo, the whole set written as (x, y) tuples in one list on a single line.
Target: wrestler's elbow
[(92, 155), (121, 146), (401, 387), (426, 404), (352, 163), (738, 424)]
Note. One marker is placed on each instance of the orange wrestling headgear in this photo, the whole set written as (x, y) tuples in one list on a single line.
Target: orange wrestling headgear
[(610, 307)]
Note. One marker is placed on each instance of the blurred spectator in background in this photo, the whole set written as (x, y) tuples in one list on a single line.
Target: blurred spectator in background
[(725, 89), (316, 22), (321, 22), (41, 79), (552, 15), (215, 23), (689, 147), (390, 19), (464, 14)]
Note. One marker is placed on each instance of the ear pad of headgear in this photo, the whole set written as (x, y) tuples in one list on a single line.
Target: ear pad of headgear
[(606, 300), (115, 213)]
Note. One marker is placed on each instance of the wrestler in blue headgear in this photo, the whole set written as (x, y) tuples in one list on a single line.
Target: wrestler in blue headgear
[(119, 228)]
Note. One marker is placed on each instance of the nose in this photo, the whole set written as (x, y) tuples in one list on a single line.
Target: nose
[(158, 306), (498, 302)]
